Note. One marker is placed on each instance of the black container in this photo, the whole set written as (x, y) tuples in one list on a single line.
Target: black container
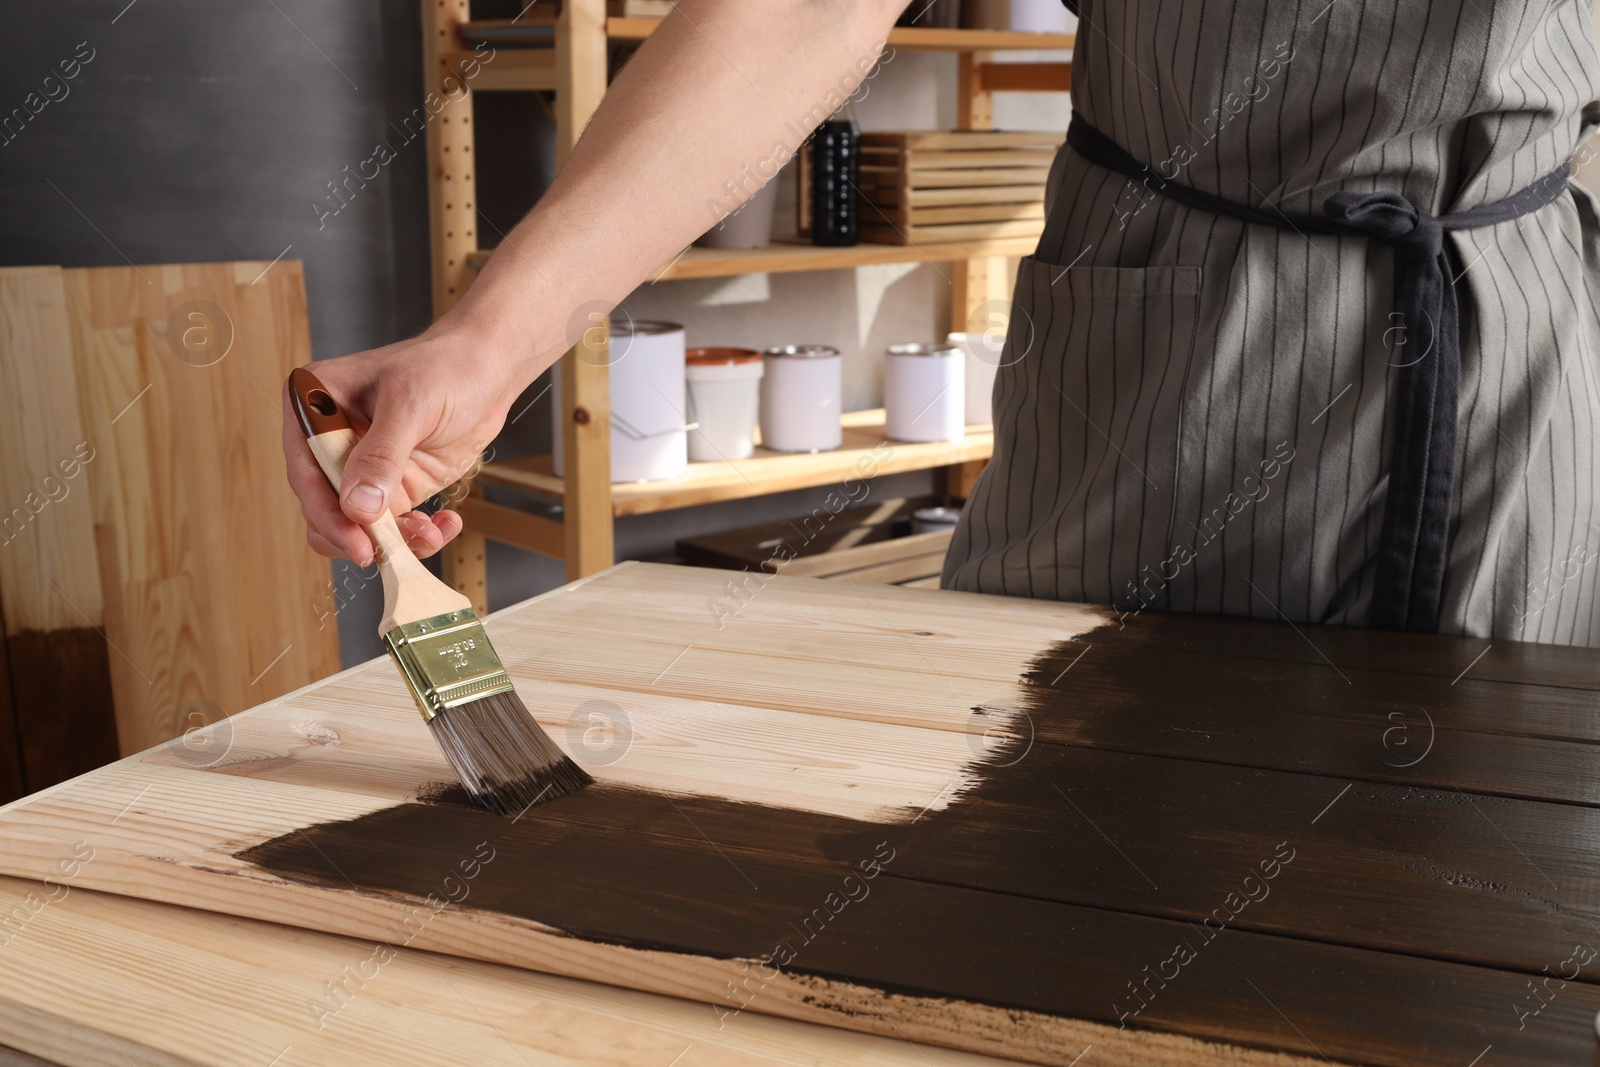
[(835, 173)]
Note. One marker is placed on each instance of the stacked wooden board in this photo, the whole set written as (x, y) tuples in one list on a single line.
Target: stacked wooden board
[(155, 556), (875, 543), (957, 185), (1021, 828)]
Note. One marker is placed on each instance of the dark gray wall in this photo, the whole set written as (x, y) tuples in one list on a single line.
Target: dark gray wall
[(202, 131)]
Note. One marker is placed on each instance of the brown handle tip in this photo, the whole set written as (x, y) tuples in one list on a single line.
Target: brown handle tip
[(314, 406)]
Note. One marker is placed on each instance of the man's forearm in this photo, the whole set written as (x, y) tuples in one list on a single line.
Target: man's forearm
[(718, 98)]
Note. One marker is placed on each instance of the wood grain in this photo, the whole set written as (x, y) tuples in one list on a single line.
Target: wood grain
[(212, 597), (10, 743), (162, 385), (94, 978), (59, 720), (1027, 910)]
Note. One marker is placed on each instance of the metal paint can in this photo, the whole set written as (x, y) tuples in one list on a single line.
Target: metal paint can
[(649, 431), (932, 520), (924, 392), (724, 397), (802, 399)]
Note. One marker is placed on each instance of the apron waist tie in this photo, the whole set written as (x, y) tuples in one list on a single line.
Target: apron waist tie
[(1414, 544)]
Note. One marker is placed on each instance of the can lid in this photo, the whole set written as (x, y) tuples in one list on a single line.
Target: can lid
[(924, 348), (630, 328), (939, 515), (706, 357), (801, 352)]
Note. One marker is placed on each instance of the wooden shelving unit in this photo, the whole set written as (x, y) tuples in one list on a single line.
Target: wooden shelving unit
[(568, 57), (763, 473)]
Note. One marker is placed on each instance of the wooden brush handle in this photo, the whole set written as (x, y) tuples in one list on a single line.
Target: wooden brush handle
[(410, 591)]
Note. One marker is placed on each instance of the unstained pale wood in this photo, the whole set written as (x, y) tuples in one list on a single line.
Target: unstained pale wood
[(178, 370), (93, 978)]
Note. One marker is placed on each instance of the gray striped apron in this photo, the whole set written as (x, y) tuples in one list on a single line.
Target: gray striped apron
[(1195, 412)]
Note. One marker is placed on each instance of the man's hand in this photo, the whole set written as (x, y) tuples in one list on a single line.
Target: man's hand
[(426, 409)]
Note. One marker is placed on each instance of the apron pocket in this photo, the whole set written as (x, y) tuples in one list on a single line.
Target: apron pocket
[(1088, 401)]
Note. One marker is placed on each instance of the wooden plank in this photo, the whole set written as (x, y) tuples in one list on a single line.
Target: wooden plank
[(1494, 738), (830, 564), (452, 190), (974, 107), (1025, 77), (925, 216), (58, 721), (895, 571), (531, 533), (466, 570), (1005, 194), (47, 531), (934, 177), (917, 235), (10, 741), (1029, 885), (864, 453), (753, 547), (956, 159), (585, 369), (1438, 655), (95, 977), (183, 370), (517, 70), (963, 138)]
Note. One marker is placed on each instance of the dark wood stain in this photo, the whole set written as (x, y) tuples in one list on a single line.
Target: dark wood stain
[(1400, 923), (66, 720), (10, 744)]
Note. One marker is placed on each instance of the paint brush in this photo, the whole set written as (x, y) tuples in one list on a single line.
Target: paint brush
[(502, 756)]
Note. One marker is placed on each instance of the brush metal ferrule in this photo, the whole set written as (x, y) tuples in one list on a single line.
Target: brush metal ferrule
[(447, 660)]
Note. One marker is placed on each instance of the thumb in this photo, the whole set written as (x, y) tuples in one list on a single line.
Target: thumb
[(373, 474)]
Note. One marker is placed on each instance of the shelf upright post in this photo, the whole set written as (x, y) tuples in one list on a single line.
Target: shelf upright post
[(585, 377), (980, 292), (453, 225)]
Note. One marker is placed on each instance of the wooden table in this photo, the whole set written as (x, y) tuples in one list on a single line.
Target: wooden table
[(1019, 829)]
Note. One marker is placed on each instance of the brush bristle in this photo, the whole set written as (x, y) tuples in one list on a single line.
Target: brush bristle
[(503, 757)]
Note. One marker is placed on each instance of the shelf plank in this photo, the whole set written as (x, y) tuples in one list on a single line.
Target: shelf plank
[(783, 257), (765, 472)]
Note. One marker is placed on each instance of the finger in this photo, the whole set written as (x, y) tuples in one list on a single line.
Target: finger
[(319, 504), (427, 534), (322, 546), (377, 463)]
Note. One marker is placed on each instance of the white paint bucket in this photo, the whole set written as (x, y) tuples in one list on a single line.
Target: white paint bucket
[(924, 394), (724, 396), (1039, 16), (981, 353), (802, 399), (649, 441)]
